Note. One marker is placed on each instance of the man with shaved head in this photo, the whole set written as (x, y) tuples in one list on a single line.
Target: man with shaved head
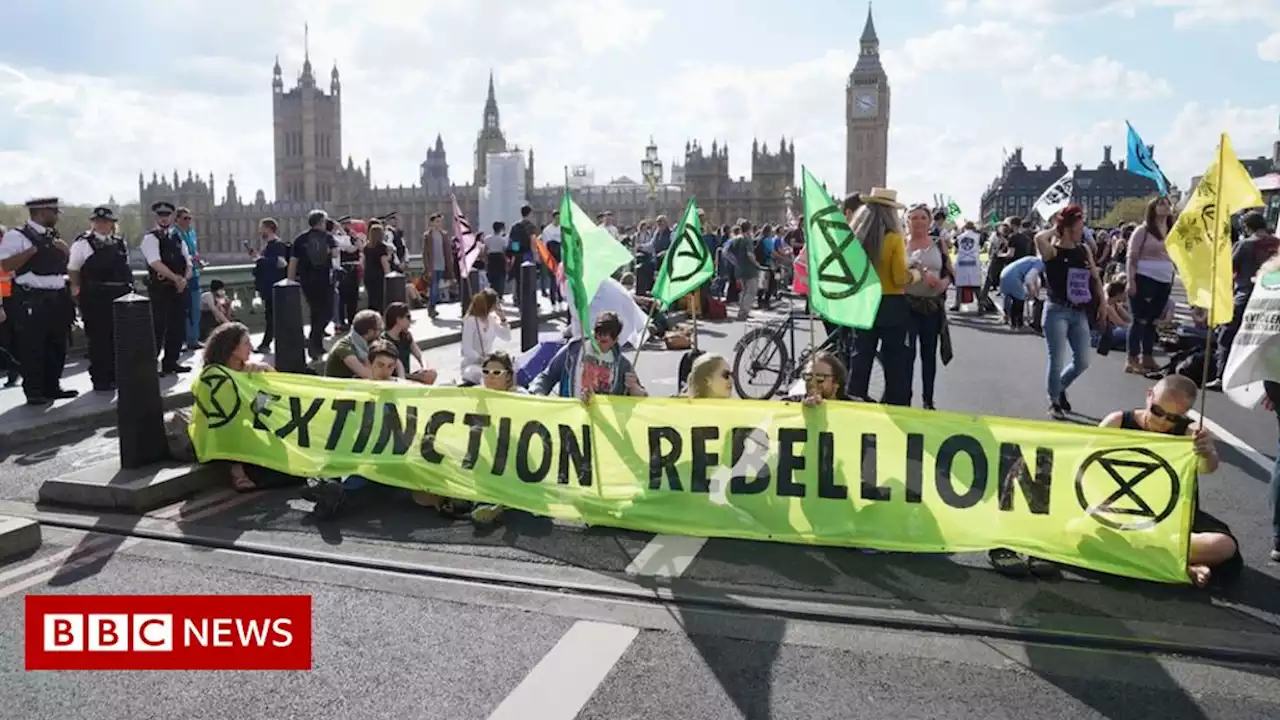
[(1214, 555)]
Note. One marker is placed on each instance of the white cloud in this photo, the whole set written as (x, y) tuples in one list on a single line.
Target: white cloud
[(1187, 148), (1056, 77), (1042, 11), (1269, 47)]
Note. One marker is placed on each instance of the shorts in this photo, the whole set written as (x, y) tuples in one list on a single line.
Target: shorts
[(1231, 569)]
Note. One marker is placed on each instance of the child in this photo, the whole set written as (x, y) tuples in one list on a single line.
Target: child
[(1113, 328)]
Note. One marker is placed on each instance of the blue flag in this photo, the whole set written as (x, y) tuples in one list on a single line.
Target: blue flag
[(1141, 163)]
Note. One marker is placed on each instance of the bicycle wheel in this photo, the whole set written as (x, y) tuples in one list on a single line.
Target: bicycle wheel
[(760, 364)]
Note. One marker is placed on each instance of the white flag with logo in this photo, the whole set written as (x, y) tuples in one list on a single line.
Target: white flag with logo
[(1055, 197), (1255, 352)]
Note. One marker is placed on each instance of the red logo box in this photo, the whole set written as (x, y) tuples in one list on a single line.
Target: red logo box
[(168, 632)]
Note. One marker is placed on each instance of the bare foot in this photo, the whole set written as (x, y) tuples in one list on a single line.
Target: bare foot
[(1199, 574), (240, 480)]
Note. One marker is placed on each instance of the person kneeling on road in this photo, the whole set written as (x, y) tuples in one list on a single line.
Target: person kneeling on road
[(382, 359)]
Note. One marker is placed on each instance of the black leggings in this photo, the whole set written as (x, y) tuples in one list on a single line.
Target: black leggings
[(1146, 306)]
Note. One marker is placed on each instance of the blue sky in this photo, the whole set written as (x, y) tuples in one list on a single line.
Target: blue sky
[(589, 83)]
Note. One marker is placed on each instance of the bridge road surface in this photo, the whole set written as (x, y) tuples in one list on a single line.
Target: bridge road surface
[(417, 635)]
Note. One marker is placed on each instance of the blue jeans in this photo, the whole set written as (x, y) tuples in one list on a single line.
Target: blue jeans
[(193, 317), (433, 287), (1064, 327)]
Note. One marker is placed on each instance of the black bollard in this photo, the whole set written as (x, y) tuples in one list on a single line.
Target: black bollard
[(139, 405), (291, 345), (473, 287), (394, 288), (528, 305)]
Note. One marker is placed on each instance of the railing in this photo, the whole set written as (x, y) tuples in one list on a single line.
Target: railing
[(239, 286)]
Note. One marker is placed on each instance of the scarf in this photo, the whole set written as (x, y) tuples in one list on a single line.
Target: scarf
[(360, 347)]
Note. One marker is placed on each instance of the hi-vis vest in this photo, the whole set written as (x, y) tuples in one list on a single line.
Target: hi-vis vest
[(6, 283)]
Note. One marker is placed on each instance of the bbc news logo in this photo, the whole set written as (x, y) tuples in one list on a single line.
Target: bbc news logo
[(168, 632)]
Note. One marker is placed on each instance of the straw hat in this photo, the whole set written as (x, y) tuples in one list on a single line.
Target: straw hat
[(883, 196)]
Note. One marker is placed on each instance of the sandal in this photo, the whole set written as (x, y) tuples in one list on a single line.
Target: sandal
[(486, 514), (1042, 568)]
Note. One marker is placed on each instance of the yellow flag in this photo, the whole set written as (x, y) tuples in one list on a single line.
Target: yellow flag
[(1200, 242)]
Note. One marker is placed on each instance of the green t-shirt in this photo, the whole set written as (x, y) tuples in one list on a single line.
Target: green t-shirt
[(335, 365)]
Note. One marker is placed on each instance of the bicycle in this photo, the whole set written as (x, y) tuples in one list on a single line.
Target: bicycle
[(777, 354)]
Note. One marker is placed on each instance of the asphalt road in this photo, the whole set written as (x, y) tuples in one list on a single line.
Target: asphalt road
[(372, 626)]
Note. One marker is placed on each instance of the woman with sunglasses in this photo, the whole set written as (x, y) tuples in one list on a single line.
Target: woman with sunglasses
[(825, 379), (710, 378), (1214, 554)]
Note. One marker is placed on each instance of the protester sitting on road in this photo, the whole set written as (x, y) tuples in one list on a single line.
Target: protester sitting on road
[(710, 378), (825, 379), (874, 221), (215, 308), (1113, 331), (229, 346), (1214, 554), (484, 325), (397, 321), (582, 368), (349, 356)]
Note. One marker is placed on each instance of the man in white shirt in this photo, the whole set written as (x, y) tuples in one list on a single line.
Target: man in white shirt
[(37, 258), (608, 225), (168, 274), (100, 273)]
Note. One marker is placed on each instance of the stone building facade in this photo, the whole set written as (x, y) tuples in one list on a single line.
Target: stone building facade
[(310, 172), (1015, 190)]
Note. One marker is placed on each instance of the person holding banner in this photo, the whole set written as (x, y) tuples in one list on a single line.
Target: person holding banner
[(584, 368), (1247, 258), (1214, 554), (710, 378), (1073, 282), (825, 379)]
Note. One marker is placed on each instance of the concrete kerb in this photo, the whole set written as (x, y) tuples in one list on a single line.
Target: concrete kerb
[(18, 536), (106, 486), (94, 418)]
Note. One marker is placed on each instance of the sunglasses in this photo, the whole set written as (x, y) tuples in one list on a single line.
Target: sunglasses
[(1174, 418), (494, 373), (816, 376)]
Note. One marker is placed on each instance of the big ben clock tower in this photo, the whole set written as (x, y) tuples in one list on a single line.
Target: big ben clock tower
[(867, 116)]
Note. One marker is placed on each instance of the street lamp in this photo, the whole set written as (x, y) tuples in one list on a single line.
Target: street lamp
[(788, 194)]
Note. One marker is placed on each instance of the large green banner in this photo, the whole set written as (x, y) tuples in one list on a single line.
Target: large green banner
[(843, 474)]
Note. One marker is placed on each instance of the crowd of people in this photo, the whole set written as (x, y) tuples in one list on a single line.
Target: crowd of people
[(1084, 290)]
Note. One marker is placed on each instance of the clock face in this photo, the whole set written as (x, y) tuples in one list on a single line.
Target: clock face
[(866, 102)]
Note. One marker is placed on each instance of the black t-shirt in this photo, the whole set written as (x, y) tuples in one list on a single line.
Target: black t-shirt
[(1068, 278), (314, 251), (521, 237), (373, 255), (1022, 245)]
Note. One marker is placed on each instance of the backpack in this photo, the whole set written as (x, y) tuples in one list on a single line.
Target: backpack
[(318, 254)]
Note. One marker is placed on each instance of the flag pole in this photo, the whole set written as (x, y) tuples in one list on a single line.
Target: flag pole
[(1213, 281), (694, 302)]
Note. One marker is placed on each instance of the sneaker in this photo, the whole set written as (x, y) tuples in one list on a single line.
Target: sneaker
[(1055, 412), (1062, 402), (1275, 550), (1008, 563), (1215, 384), (330, 497)]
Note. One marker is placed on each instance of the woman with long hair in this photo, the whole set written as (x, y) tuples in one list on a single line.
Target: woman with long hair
[(875, 223), (710, 378), (483, 326), (1149, 274), (926, 298), (377, 265), (1072, 281)]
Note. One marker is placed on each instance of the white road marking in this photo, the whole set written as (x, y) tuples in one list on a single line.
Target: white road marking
[(1229, 438), (666, 556), (562, 682)]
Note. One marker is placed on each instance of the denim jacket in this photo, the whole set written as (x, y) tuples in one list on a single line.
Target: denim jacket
[(558, 376)]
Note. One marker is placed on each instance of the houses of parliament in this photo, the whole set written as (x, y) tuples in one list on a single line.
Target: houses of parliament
[(310, 170)]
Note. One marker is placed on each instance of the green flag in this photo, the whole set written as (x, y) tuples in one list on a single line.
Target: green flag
[(994, 219), (687, 263), (590, 255), (843, 285), (953, 210)]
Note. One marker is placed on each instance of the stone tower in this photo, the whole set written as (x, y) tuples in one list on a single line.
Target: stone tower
[(435, 170), (308, 136), (867, 116), (490, 139)]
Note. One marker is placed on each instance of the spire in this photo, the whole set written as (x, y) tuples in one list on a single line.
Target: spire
[(492, 99), (491, 121), (869, 30), (307, 76), (439, 143)]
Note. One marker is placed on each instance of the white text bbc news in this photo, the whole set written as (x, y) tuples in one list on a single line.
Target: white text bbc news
[(155, 633)]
